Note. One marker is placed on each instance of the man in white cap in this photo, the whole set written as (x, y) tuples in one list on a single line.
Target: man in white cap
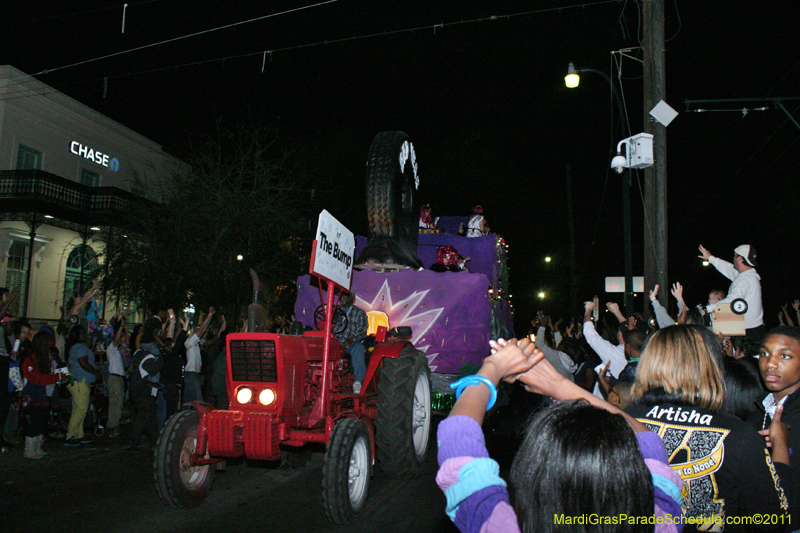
[(746, 284)]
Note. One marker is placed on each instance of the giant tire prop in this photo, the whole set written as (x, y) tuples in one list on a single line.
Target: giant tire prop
[(179, 484), (403, 422), (348, 467), (392, 220), (739, 306)]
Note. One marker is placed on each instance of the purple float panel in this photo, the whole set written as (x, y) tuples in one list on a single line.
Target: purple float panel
[(449, 312)]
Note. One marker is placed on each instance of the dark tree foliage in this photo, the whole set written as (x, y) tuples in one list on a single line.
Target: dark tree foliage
[(239, 195)]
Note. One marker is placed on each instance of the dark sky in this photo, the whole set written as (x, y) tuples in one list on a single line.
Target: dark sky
[(485, 104)]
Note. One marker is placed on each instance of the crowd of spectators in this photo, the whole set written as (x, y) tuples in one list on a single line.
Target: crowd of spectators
[(89, 378), (718, 408)]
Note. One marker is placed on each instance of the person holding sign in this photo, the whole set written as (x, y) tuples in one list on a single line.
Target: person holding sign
[(351, 337)]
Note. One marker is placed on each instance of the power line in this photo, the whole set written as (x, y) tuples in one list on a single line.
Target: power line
[(23, 93), (47, 71)]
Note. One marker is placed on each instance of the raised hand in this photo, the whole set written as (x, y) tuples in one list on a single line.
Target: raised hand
[(677, 291), (510, 358), (704, 254), (654, 293)]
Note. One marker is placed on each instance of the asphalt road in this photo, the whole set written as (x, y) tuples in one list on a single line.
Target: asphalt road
[(97, 487)]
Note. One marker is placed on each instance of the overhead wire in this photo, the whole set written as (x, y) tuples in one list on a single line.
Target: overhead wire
[(195, 34), (680, 25), (756, 151), (260, 53)]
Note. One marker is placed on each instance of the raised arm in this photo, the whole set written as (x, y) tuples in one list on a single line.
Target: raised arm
[(11, 297), (662, 317), (677, 293), (543, 379), (206, 322), (724, 267), (85, 298), (604, 349), (785, 311), (614, 308)]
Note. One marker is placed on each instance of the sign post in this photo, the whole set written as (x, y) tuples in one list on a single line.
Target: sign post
[(332, 261)]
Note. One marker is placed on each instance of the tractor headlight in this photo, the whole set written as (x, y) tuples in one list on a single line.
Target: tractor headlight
[(244, 395), (266, 397)]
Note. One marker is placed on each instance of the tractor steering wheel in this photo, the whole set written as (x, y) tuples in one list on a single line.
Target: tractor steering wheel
[(339, 319)]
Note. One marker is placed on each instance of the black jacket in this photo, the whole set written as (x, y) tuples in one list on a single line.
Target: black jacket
[(150, 365), (725, 466)]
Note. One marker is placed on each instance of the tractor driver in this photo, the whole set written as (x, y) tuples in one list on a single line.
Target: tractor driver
[(351, 337)]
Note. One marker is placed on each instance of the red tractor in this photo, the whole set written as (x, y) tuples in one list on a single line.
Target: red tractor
[(289, 390)]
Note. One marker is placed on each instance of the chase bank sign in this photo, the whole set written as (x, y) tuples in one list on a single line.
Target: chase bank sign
[(94, 155)]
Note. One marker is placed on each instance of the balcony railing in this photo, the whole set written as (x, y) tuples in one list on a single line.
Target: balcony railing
[(24, 191)]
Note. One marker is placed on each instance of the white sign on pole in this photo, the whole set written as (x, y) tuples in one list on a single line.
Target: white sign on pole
[(336, 246), (617, 284)]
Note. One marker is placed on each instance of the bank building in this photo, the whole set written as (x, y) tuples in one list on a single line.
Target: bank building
[(67, 174)]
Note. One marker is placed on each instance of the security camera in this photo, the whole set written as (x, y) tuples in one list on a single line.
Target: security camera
[(633, 152), (619, 163)]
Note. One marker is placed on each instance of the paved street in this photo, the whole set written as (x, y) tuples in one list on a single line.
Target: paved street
[(97, 487)]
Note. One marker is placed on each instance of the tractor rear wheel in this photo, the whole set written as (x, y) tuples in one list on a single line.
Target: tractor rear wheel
[(180, 484), (403, 422), (348, 466)]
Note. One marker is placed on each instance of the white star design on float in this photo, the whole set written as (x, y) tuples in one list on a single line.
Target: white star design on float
[(420, 323)]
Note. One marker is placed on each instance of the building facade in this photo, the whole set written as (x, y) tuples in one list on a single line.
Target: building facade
[(67, 175)]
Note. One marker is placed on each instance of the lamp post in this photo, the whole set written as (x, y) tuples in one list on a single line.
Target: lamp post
[(572, 80)]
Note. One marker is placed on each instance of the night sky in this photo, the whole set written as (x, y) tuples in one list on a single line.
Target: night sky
[(484, 101)]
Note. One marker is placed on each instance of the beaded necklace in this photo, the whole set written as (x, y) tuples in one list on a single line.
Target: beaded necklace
[(766, 412)]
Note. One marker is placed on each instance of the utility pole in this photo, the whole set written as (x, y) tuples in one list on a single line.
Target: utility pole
[(655, 177)]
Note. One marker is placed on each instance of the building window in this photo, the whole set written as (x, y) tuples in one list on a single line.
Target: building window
[(80, 269), (28, 158), (92, 179), (17, 274)]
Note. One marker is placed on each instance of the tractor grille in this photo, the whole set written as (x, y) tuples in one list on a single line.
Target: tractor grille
[(253, 360)]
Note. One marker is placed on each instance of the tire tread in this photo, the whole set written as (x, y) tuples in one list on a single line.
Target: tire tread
[(394, 441)]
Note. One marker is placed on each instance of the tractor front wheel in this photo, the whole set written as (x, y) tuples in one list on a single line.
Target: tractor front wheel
[(403, 422), (179, 483), (348, 466)]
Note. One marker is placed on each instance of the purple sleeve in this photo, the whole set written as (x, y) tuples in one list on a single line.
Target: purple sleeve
[(460, 436), (460, 440), (667, 484)]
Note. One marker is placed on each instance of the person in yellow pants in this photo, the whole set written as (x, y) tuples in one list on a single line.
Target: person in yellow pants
[(81, 365)]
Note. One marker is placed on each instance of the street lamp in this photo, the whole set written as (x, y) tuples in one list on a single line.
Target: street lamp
[(572, 79), (547, 259)]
